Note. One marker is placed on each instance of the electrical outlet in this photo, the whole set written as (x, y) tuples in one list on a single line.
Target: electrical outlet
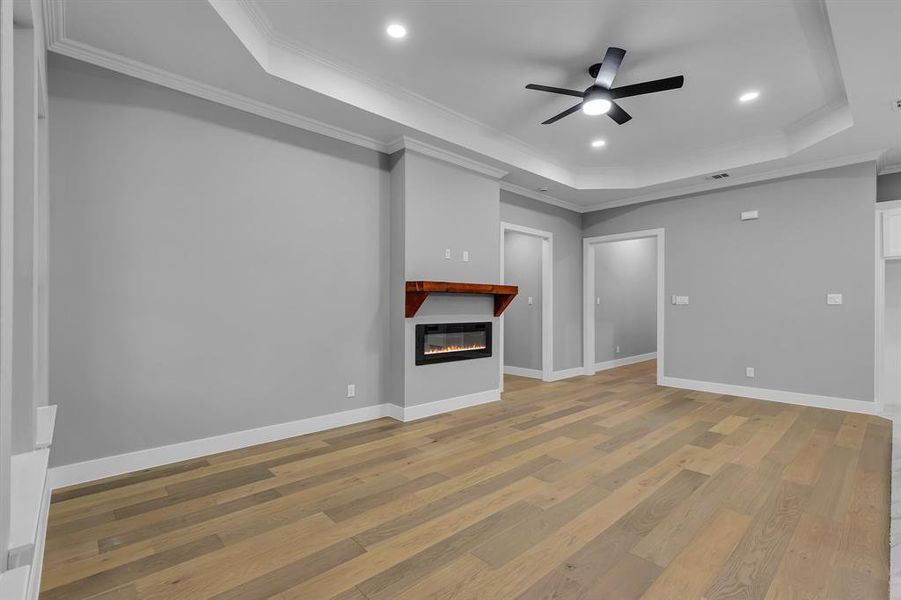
[(617, 349), (680, 300), (447, 254), (351, 390), (833, 298), (530, 300), (749, 372), (466, 256)]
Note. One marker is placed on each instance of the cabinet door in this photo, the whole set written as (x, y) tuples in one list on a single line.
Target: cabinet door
[(891, 233)]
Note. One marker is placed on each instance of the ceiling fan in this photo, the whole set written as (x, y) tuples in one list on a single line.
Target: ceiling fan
[(599, 98)]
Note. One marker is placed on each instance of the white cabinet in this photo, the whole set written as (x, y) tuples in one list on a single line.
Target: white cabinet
[(891, 233)]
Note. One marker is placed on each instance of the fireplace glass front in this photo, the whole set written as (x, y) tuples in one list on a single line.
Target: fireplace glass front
[(444, 342)]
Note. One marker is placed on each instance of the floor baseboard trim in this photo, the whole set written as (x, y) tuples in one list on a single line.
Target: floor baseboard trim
[(622, 362), (814, 400), (566, 374), (119, 464), (523, 372), (421, 411)]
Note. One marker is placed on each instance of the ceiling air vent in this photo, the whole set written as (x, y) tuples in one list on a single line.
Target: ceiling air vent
[(717, 176)]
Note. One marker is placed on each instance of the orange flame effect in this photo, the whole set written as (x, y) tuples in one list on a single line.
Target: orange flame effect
[(446, 349)]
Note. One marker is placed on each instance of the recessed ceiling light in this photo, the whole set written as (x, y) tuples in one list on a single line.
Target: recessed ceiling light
[(598, 143), (397, 31), (749, 96)]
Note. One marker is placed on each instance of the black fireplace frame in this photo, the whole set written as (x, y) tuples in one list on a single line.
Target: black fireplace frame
[(430, 359)]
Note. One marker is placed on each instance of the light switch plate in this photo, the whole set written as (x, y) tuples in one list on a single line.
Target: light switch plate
[(447, 254), (833, 298), (351, 390), (530, 300), (466, 256), (749, 372)]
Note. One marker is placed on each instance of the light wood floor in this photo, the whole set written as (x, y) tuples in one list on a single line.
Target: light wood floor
[(595, 487)]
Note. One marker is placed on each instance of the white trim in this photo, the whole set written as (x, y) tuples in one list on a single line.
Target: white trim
[(14, 583), (523, 372), (622, 362), (567, 374), (814, 400), (588, 321), (547, 297), (420, 411), (37, 563), (120, 64), (413, 145), (708, 186), (889, 169), (109, 466), (45, 422), (541, 197)]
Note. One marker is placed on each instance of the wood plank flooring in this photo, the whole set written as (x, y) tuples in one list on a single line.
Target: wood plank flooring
[(593, 487)]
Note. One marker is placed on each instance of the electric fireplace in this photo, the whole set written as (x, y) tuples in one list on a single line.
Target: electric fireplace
[(445, 342)]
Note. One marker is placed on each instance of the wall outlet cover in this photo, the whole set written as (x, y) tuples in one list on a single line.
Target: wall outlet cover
[(351, 390), (447, 254), (466, 256), (749, 372), (833, 298)]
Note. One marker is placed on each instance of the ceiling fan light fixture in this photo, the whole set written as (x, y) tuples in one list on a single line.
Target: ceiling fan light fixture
[(598, 143), (596, 106)]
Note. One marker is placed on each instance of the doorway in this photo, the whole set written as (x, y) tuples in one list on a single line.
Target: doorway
[(623, 300), (526, 327)]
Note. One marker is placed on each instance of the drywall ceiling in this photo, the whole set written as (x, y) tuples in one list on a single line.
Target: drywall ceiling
[(826, 74)]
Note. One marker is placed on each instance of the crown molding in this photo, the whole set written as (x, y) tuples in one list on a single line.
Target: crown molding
[(413, 145), (56, 40), (541, 197), (737, 181)]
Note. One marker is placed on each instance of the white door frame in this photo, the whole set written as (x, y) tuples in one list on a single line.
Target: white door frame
[(547, 298), (588, 310), (880, 375)]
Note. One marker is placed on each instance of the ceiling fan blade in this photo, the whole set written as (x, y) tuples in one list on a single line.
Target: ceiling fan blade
[(648, 87), (618, 114), (609, 66), (554, 90), (565, 113)]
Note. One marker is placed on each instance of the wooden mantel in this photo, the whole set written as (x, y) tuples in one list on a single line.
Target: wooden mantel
[(418, 291)]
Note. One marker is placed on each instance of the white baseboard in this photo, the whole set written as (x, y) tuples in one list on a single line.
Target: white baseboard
[(523, 372), (566, 374), (622, 362), (109, 466), (119, 464), (816, 401), (420, 411)]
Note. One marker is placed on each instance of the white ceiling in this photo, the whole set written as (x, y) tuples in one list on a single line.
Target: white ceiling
[(826, 73)]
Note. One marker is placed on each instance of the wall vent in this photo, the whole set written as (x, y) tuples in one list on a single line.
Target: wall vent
[(896, 105), (717, 176)]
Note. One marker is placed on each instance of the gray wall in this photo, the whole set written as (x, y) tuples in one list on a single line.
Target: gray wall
[(567, 229), (212, 271), (888, 187), (522, 321), (449, 207), (758, 288), (625, 279)]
